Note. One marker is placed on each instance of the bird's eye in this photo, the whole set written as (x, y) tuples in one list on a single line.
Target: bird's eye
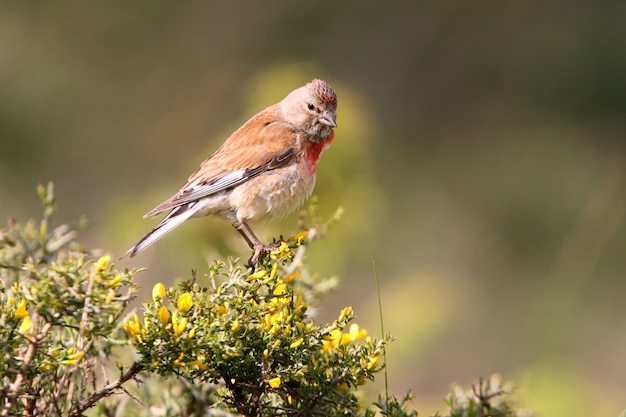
[(310, 106)]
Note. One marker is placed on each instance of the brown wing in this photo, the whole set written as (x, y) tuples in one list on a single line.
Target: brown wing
[(261, 144)]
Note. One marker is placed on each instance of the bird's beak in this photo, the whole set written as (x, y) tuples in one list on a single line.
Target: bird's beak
[(328, 118)]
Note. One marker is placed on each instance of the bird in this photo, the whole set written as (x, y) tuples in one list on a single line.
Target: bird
[(264, 170)]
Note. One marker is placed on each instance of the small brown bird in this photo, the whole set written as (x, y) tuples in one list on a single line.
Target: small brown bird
[(263, 171)]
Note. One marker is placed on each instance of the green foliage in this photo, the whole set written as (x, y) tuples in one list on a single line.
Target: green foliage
[(242, 345), (251, 332), (61, 310)]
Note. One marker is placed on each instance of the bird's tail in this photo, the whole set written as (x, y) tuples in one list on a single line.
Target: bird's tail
[(169, 223)]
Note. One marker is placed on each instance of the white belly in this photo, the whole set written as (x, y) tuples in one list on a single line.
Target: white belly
[(272, 195)]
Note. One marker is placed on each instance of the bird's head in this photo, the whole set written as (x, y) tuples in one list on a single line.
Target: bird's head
[(312, 108)]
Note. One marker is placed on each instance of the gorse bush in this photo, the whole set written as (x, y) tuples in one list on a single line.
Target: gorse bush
[(242, 344), (61, 314), (252, 334)]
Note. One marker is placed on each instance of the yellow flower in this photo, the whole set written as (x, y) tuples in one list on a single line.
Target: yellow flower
[(134, 328), (102, 263), (158, 292), (354, 334), (179, 361), (73, 358), (345, 313), (273, 273), (114, 281), (331, 341), (185, 302), (280, 289), (164, 315), (199, 362), (21, 311), (274, 382), (235, 326), (299, 303), (334, 336), (373, 363), (296, 343), (299, 238), (291, 276), (266, 323), (282, 251), (45, 367), (26, 326), (178, 325), (273, 322), (257, 275), (274, 329)]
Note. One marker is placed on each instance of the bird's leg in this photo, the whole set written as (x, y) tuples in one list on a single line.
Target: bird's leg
[(257, 245), (245, 236), (257, 249)]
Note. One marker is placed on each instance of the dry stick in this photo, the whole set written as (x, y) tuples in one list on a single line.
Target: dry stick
[(107, 390), (14, 391)]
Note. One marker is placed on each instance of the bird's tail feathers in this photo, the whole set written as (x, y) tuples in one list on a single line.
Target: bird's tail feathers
[(169, 223)]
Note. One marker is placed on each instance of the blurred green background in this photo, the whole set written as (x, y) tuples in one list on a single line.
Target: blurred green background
[(480, 158)]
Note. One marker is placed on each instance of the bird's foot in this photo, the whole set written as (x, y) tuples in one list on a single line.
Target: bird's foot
[(263, 248)]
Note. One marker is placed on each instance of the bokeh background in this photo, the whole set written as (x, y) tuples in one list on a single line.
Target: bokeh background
[(480, 158)]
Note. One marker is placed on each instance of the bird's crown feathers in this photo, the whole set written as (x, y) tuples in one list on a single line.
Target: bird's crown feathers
[(323, 92)]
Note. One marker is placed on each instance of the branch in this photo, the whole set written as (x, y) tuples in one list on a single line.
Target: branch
[(14, 389), (108, 390)]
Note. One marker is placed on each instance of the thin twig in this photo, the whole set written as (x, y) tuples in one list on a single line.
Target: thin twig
[(16, 387), (382, 329), (107, 390)]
